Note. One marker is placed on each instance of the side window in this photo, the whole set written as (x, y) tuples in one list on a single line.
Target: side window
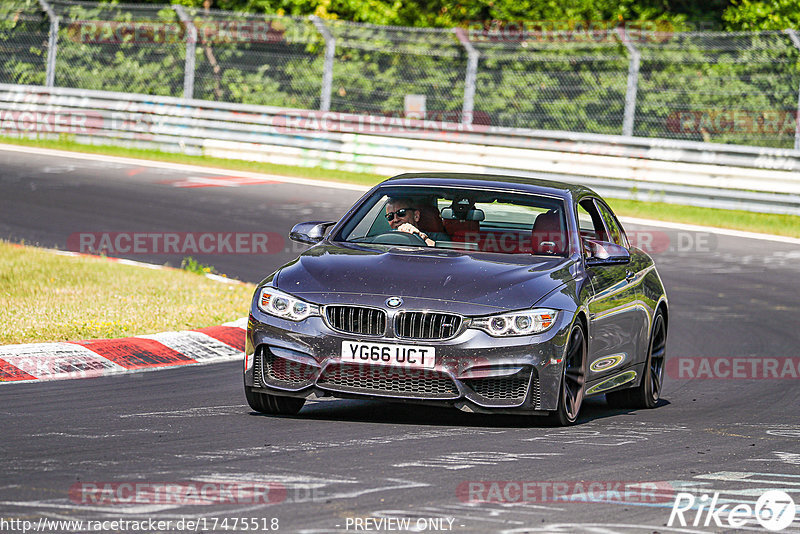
[(614, 228), (585, 223), (590, 221), (373, 223)]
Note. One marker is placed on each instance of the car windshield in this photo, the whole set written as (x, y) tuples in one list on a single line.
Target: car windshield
[(457, 218)]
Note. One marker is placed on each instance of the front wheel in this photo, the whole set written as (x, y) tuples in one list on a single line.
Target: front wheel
[(573, 380), (272, 404), (648, 392)]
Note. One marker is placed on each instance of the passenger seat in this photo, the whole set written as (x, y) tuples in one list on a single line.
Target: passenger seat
[(547, 235)]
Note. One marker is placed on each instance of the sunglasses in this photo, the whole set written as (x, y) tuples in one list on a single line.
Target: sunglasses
[(400, 213)]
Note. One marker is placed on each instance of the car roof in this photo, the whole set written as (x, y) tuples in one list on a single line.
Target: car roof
[(518, 183)]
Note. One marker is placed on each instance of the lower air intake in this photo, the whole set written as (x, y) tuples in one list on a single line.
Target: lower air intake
[(387, 381)]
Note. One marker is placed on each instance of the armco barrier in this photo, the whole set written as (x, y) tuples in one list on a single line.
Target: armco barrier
[(682, 172)]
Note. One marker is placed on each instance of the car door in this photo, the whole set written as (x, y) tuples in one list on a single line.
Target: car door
[(614, 321), (637, 268)]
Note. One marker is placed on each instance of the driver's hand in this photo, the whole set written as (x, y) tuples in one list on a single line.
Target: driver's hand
[(408, 228), (411, 229)]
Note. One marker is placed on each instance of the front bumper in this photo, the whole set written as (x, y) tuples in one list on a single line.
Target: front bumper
[(474, 371)]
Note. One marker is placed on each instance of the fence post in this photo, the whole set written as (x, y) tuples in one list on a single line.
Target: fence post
[(327, 70), (633, 83), (796, 41), (191, 48), (470, 77), (52, 44)]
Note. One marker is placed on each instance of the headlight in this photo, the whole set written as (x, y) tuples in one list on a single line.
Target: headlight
[(520, 323), (285, 306)]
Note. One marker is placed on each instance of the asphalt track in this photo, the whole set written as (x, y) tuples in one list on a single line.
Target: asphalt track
[(339, 462)]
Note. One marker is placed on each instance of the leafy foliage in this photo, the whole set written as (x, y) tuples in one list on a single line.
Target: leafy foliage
[(23, 43), (748, 15), (719, 87), (446, 14)]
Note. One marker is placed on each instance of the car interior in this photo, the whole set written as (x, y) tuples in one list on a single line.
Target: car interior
[(476, 221)]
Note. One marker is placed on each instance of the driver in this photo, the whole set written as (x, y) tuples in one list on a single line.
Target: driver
[(403, 216)]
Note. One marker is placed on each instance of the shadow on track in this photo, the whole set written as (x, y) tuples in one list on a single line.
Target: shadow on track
[(394, 413)]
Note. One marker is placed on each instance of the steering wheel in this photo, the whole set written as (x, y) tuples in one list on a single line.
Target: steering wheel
[(398, 238)]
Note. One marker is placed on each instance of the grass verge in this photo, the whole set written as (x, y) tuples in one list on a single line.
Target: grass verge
[(766, 223), (748, 221), (48, 297)]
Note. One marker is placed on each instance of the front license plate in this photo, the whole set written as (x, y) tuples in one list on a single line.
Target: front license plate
[(415, 356)]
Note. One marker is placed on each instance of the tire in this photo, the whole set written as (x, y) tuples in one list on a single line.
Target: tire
[(647, 393), (273, 404), (573, 380)]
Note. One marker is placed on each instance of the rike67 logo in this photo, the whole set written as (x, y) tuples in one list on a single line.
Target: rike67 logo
[(775, 510)]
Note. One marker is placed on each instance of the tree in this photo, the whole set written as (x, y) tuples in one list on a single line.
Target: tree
[(749, 15)]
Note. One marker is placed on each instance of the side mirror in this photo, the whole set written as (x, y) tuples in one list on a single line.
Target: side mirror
[(605, 253), (310, 233)]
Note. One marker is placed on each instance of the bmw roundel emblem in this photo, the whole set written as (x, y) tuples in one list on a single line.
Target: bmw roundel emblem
[(394, 302)]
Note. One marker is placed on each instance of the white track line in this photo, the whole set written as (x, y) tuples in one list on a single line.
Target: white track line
[(711, 229), (123, 261), (352, 187), (181, 167)]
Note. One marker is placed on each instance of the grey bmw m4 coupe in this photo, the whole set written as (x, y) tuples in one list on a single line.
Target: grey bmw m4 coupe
[(491, 294)]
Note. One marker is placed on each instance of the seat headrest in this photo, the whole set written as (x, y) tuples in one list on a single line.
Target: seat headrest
[(429, 219), (547, 234)]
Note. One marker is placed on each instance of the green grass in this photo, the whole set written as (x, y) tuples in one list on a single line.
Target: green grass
[(193, 266), (786, 225), (765, 223), (49, 297)]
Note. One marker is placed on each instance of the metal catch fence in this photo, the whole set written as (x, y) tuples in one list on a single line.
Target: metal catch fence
[(734, 88)]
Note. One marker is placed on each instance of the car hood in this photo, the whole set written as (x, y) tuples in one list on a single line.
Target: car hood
[(329, 273)]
